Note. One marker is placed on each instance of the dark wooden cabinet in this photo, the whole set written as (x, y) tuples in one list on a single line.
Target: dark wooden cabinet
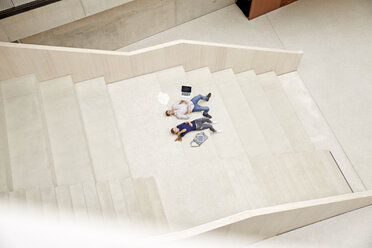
[(255, 8)]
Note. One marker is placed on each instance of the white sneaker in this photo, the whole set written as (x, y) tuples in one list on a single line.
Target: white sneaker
[(214, 122), (218, 131)]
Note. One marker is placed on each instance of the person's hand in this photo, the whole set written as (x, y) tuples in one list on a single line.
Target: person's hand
[(179, 138), (190, 124)]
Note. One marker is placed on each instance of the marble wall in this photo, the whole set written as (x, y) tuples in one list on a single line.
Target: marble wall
[(123, 25), (50, 16)]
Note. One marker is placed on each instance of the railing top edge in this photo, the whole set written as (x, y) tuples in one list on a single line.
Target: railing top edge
[(142, 50), (261, 211)]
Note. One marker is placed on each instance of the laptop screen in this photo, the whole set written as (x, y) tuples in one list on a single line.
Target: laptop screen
[(186, 89)]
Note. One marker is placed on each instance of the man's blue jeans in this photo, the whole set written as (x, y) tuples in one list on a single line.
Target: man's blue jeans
[(197, 107)]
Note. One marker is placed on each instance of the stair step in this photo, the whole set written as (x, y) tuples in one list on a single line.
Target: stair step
[(49, 202), (238, 170), (317, 175), (78, 201), (101, 130), (245, 183), (131, 201), (142, 125), (64, 201), (285, 113), (264, 168), (296, 168), (119, 202), (150, 204), (316, 126), (208, 150), (265, 116), (334, 173), (291, 177), (206, 169), (150, 132), (17, 198), (6, 183), (107, 205), (71, 158), (227, 143), (171, 81), (241, 114), (92, 200), (4, 199), (33, 199), (26, 134), (210, 167)]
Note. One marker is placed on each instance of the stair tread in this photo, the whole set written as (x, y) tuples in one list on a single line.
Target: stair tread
[(316, 126), (150, 204), (298, 176), (4, 198), (49, 201), (237, 169), (133, 209), (208, 150), (33, 199), (245, 183), (265, 116), (333, 171), (5, 172), (107, 205), (78, 201), (64, 201), (92, 200), (241, 114), (285, 113), (160, 219), (27, 144), (119, 200), (151, 179), (66, 132), (206, 169), (141, 125), (317, 175), (17, 198), (228, 143), (101, 130)]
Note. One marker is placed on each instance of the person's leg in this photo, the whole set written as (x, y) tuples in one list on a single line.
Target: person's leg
[(199, 97), (205, 123), (197, 108), (206, 126), (204, 120), (196, 99)]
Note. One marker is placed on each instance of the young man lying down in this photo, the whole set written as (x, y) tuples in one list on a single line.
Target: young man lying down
[(183, 108)]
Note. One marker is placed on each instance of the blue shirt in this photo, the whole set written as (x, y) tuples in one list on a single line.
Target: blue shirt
[(187, 127)]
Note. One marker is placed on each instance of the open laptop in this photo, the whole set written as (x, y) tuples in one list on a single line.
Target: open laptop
[(185, 92)]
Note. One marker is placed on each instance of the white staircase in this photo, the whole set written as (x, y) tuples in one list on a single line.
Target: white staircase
[(105, 152)]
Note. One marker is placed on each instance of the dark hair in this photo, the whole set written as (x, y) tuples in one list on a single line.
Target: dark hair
[(172, 131), (166, 113)]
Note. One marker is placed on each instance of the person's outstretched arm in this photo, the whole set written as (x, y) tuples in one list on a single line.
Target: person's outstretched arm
[(188, 109), (179, 138), (188, 123)]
